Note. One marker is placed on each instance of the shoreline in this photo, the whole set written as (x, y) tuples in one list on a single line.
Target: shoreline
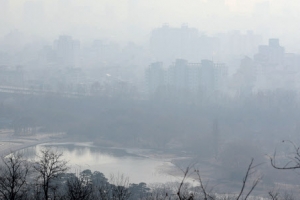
[(12, 143)]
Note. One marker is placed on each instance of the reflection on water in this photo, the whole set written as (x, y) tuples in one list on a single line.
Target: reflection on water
[(110, 161)]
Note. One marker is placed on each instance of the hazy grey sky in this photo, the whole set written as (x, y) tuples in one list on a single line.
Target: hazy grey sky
[(133, 19)]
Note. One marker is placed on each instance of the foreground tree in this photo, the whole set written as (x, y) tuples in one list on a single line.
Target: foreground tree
[(79, 188), (13, 175), (49, 167), (275, 195), (183, 193), (290, 161), (293, 160), (119, 187), (138, 191)]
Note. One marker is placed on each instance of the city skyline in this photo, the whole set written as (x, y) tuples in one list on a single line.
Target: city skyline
[(120, 20)]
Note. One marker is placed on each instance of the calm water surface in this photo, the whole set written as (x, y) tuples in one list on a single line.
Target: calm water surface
[(137, 164)]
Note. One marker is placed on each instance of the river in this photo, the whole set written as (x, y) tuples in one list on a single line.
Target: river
[(139, 165)]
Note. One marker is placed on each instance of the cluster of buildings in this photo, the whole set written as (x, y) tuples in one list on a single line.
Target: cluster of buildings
[(169, 43), (270, 68), (275, 68), (65, 51), (11, 77), (194, 78), (65, 66)]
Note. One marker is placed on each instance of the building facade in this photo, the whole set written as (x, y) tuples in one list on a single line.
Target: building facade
[(193, 78)]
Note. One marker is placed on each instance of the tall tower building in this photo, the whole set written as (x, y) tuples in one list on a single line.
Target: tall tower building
[(67, 50)]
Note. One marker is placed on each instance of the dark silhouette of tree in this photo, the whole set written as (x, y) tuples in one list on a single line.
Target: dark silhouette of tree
[(104, 191), (119, 187), (49, 167), (184, 193), (249, 172), (79, 188), (294, 159), (13, 175), (275, 195), (98, 178), (138, 191)]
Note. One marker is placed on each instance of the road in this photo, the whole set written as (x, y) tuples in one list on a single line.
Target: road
[(28, 91)]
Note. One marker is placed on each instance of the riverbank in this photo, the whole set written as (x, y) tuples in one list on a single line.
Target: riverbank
[(11, 143)]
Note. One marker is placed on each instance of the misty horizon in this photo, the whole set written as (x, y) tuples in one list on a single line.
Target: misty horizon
[(173, 95), (133, 20)]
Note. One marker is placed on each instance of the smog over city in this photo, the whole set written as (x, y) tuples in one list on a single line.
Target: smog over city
[(149, 99)]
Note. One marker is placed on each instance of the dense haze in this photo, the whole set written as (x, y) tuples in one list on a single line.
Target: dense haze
[(169, 82), (133, 19)]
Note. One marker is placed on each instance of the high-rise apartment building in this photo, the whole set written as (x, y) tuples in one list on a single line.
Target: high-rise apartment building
[(270, 55), (184, 76), (67, 50), (155, 77), (168, 44)]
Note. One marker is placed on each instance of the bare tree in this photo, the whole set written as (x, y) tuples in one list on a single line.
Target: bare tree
[(79, 188), (294, 158), (104, 191), (275, 195), (48, 168), (181, 192), (249, 172), (185, 194), (292, 162), (119, 187), (13, 175), (159, 192), (203, 188)]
